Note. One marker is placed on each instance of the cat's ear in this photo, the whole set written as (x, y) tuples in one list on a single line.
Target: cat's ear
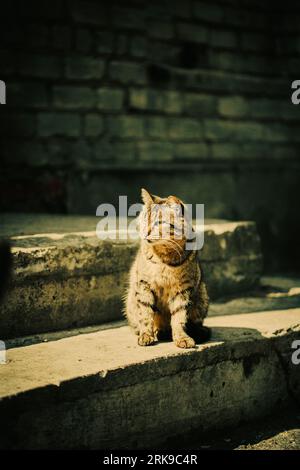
[(146, 197)]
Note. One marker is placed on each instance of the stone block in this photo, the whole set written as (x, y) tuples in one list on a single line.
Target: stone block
[(62, 124)]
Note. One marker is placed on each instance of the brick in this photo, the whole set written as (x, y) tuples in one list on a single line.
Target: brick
[(120, 152), (19, 125), (265, 108), (167, 53), (172, 102), (211, 81), (29, 95), (41, 66), (155, 151), (116, 152), (83, 40), (69, 97), (109, 99), (139, 98), (276, 132), (156, 127), (226, 150), (61, 37), (126, 127), (152, 100), (102, 150), (89, 12), (249, 131), (241, 63), (84, 68), (63, 124), (192, 33), (128, 18), (138, 46), (93, 125), (218, 130), (197, 104), (127, 72), (160, 29), (252, 150), (184, 129), (224, 60), (104, 42), (191, 151), (124, 151), (208, 12), (223, 39), (233, 106)]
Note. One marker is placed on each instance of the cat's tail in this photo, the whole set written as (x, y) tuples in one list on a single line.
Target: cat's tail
[(198, 332), (5, 266)]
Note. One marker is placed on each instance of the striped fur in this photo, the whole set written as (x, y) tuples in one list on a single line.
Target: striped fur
[(167, 295)]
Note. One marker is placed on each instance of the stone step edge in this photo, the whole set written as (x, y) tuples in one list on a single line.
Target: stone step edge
[(249, 302), (254, 329), (80, 253), (70, 398)]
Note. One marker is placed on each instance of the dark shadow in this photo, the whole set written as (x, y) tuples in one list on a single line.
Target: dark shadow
[(246, 435)]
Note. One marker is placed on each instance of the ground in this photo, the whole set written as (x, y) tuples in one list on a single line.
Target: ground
[(280, 432)]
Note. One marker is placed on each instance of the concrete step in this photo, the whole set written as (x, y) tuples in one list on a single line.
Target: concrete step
[(273, 293), (101, 390), (65, 277)]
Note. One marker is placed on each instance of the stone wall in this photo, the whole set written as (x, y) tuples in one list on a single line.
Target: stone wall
[(185, 96)]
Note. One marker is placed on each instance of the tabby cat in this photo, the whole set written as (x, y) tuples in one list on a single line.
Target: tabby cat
[(167, 295)]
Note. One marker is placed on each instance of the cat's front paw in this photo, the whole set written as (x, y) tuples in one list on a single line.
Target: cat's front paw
[(145, 339), (185, 342)]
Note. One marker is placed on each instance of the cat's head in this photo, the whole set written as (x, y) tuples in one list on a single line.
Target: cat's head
[(164, 226)]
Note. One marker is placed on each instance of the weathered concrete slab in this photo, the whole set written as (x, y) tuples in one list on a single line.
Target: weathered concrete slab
[(65, 277), (102, 390)]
